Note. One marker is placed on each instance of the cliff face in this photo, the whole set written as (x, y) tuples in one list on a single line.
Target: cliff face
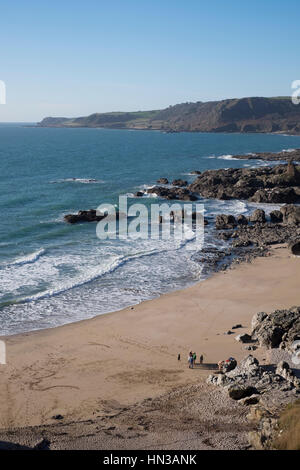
[(232, 115)]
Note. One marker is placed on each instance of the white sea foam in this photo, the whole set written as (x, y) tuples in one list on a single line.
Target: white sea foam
[(78, 180), (28, 259), (227, 157)]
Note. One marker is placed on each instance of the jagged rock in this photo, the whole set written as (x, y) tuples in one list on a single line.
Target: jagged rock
[(278, 329), (291, 214), (256, 320), (258, 216), (278, 184), (276, 216), (179, 182), (275, 196), (244, 338), (224, 221), (242, 220), (235, 327), (139, 194)]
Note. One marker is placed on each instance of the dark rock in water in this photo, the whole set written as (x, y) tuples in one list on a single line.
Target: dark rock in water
[(242, 220), (162, 181), (294, 247), (179, 182), (278, 329), (139, 194), (196, 172), (84, 216), (276, 216), (291, 214), (174, 193), (258, 216), (224, 221)]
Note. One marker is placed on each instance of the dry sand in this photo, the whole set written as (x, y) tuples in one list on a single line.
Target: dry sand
[(116, 379)]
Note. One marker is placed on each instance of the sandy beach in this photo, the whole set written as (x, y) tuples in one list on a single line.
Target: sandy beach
[(112, 367)]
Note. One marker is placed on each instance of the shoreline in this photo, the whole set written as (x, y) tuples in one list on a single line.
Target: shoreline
[(82, 369)]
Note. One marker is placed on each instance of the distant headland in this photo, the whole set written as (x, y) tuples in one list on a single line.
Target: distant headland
[(256, 114)]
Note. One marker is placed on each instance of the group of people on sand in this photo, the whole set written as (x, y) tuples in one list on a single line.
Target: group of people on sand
[(192, 359)]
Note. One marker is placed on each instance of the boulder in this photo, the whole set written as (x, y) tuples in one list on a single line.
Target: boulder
[(278, 329), (225, 221), (291, 214), (276, 216), (179, 182), (242, 220), (294, 247), (258, 216)]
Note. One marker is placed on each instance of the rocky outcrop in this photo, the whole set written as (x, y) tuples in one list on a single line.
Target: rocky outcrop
[(291, 214), (90, 215), (286, 155), (279, 184), (279, 329), (250, 378), (258, 216), (225, 221), (276, 216), (179, 182), (260, 232), (174, 193)]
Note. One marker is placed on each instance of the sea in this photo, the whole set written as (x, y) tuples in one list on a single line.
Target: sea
[(53, 273)]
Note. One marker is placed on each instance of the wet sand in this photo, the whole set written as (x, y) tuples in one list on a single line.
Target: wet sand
[(116, 364)]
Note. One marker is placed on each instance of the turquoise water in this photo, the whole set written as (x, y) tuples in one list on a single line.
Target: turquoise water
[(53, 273)]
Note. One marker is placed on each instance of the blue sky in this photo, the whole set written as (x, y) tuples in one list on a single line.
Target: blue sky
[(72, 58)]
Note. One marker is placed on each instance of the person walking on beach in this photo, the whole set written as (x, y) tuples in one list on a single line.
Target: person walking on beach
[(191, 360), (201, 359), (178, 357), (194, 358)]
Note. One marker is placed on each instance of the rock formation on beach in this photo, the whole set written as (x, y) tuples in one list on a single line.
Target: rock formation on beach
[(283, 227), (279, 329), (266, 389)]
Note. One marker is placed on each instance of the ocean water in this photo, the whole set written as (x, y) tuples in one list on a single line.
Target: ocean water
[(52, 273)]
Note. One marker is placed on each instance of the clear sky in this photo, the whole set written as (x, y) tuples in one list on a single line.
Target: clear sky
[(73, 58)]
